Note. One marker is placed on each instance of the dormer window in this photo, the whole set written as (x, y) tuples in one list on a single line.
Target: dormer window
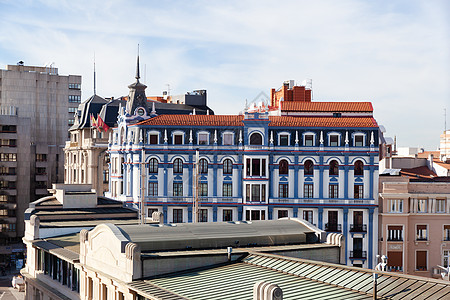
[(308, 139), (333, 140), (203, 138), (178, 138), (283, 139), (358, 140), (153, 138), (228, 138), (255, 139)]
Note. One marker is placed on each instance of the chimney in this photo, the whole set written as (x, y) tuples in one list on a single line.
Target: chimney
[(267, 291)]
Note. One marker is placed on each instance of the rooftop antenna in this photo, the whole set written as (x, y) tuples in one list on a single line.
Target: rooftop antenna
[(145, 73), (95, 89), (137, 66)]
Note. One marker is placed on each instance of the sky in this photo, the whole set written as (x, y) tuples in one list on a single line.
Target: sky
[(393, 53)]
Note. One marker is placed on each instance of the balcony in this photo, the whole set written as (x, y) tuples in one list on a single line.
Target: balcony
[(395, 239), (331, 227), (191, 199), (358, 228), (358, 254)]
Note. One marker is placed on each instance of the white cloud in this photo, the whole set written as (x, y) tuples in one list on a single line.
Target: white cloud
[(393, 53)]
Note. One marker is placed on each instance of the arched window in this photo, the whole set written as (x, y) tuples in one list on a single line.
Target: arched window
[(227, 166), (153, 165), (283, 168), (308, 167), (334, 167), (359, 168), (178, 166), (203, 164), (255, 139)]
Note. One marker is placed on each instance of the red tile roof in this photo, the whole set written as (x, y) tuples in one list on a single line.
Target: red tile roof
[(422, 172), (301, 106), (276, 121), (425, 154)]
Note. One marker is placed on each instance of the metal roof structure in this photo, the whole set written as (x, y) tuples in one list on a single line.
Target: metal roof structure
[(298, 278)]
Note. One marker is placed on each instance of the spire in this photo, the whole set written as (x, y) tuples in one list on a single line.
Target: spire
[(137, 66)]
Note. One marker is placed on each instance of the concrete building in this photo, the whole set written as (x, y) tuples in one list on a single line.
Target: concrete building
[(320, 165), (36, 109)]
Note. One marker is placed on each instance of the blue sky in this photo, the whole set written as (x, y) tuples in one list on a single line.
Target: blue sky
[(395, 54)]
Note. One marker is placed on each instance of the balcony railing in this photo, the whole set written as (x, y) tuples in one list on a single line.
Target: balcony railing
[(190, 199), (331, 227), (358, 228), (358, 254), (395, 239)]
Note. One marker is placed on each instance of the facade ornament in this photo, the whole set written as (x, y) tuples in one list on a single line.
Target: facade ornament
[(372, 140), (215, 136), (190, 137), (346, 137), (271, 137), (240, 136), (296, 137), (141, 137), (321, 137), (165, 136), (193, 112)]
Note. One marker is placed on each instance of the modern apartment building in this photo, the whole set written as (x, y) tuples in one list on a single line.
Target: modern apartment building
[(320, 164), (37, 107)]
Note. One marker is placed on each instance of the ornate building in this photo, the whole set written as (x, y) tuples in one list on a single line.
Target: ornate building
[(320, 165)]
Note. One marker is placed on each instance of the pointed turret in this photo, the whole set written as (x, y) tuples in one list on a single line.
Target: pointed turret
[(137, 97)]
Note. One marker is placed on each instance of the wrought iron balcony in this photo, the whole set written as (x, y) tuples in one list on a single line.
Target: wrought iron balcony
[(358, 228), (358, 254), (333, 227)]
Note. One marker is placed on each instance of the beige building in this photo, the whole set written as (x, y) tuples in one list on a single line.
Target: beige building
[(36, 109), (415, 221)]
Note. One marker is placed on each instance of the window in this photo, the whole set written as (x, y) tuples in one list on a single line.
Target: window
[(422, 205), (445, 258), (228, 139), (177, 139), (255, 215), (203, 215), (255, 192), (177, 215), (41, 157), (308, 167), (178, 166), (283, 139), (283, 190), (177, 189), (203, 189), (395, 206), (359, 140), (74, 86), (203, 138), (256, 167), (421, 233), (358, 168), (309, 140), (227, 166), (334, 168), (153, 189), (395, 233), (308, 216), (358, 191), (153, 139), (283, 213), (440, 205), (203, 164), (153, 165), (9, 128), (71, 122), (334, 140), (446, 232), (227, 215), (255, 139), (308, 190), (283, 168), (333, 191), (421, 260), (72, 110), (74, 99), (227, 190)]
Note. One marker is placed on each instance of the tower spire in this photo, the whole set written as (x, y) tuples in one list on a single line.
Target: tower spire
[(137, 66)]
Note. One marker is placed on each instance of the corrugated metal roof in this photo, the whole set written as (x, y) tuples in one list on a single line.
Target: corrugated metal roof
[(56, 250)]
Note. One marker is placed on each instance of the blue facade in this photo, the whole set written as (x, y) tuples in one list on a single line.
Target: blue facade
[(253, 168)]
